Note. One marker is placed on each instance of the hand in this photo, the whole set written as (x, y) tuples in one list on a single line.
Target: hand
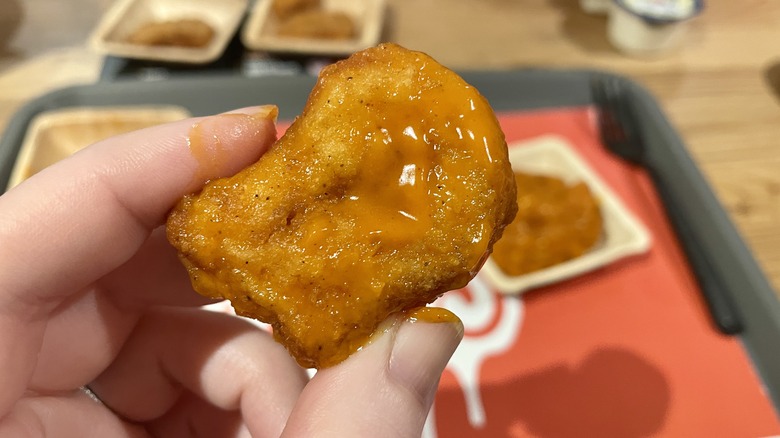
[(91, 294)]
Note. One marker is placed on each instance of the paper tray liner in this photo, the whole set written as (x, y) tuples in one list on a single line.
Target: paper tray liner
[(625, 351), (628, 350)]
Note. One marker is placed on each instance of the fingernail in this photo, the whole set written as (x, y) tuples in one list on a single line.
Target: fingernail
[(265, 112), (423, 345)]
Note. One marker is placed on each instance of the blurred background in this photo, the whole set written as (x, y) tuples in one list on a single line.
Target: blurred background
[(627, 350)]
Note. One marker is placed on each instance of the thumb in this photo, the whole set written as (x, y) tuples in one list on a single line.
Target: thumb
[(384, 390)]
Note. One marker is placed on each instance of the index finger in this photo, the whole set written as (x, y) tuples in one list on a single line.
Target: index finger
[(76, 221), (86, 215)]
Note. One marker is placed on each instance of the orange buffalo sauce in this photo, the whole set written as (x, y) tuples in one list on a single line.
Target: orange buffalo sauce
[(555, 222), (431, 314), (386, 192)]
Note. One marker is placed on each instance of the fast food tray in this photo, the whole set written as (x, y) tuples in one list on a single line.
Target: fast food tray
[(528, 89)]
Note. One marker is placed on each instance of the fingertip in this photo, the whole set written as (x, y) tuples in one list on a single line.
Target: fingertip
[(269, 112), (421, 351), (384, 390), (432, 314), (223, 144)]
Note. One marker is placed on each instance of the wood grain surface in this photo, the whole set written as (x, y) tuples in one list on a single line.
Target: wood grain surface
[(720, 89)]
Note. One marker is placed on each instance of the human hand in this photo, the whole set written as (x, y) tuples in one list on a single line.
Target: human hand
[(91, 294)]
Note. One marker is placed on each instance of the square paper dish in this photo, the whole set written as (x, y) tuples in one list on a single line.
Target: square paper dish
[(126, 16), (55, 135), (259, 33), (623, 234)]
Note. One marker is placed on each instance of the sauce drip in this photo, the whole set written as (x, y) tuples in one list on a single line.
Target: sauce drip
[(207, 150), (432, 315), (554, 223)]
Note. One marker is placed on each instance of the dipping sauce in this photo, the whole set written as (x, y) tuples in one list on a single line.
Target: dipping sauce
[(310, 19), (181, 33), (555, 222), (431, 315)]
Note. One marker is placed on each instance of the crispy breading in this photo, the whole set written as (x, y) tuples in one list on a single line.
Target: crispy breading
[(287, 8), (182, 33), (387, 191), (555, 222)]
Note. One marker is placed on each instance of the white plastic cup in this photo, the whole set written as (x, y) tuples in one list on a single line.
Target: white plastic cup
[(633, 35), (595, 6), (639, 35)]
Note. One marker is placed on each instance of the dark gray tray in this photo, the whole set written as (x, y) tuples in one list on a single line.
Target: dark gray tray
[(524, 89)]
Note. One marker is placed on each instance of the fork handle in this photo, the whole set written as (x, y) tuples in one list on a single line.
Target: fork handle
[(720, 305)]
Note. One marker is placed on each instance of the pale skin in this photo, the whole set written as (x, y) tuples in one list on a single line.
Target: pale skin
[(92, 294)]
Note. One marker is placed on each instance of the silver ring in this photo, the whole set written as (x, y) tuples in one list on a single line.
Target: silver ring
[(91, 394), (95, 398)]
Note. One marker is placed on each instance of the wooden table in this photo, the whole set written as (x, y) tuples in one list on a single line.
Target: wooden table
[(716, 90)]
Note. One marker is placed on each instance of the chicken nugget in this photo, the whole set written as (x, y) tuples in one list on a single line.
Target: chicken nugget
[(287, 8), (387, 191), (320, 24), (181, 33)]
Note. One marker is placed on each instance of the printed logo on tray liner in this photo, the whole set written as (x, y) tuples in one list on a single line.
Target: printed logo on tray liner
[(491, 326)]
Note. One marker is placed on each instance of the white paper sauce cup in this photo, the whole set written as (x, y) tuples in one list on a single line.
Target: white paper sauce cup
[(647, 27)]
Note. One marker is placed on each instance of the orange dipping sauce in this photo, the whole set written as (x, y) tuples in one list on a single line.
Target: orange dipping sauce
[(555, 222)]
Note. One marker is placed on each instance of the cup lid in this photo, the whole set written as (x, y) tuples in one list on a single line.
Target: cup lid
[(662, 11)]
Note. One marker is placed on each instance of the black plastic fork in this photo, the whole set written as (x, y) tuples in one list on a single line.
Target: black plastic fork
[(621, 134)]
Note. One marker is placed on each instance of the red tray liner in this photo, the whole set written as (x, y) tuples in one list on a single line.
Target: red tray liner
[(625, 351)]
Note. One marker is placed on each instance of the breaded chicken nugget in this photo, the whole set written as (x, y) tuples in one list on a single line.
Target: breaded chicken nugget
[(182, 33), (387, 191)]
